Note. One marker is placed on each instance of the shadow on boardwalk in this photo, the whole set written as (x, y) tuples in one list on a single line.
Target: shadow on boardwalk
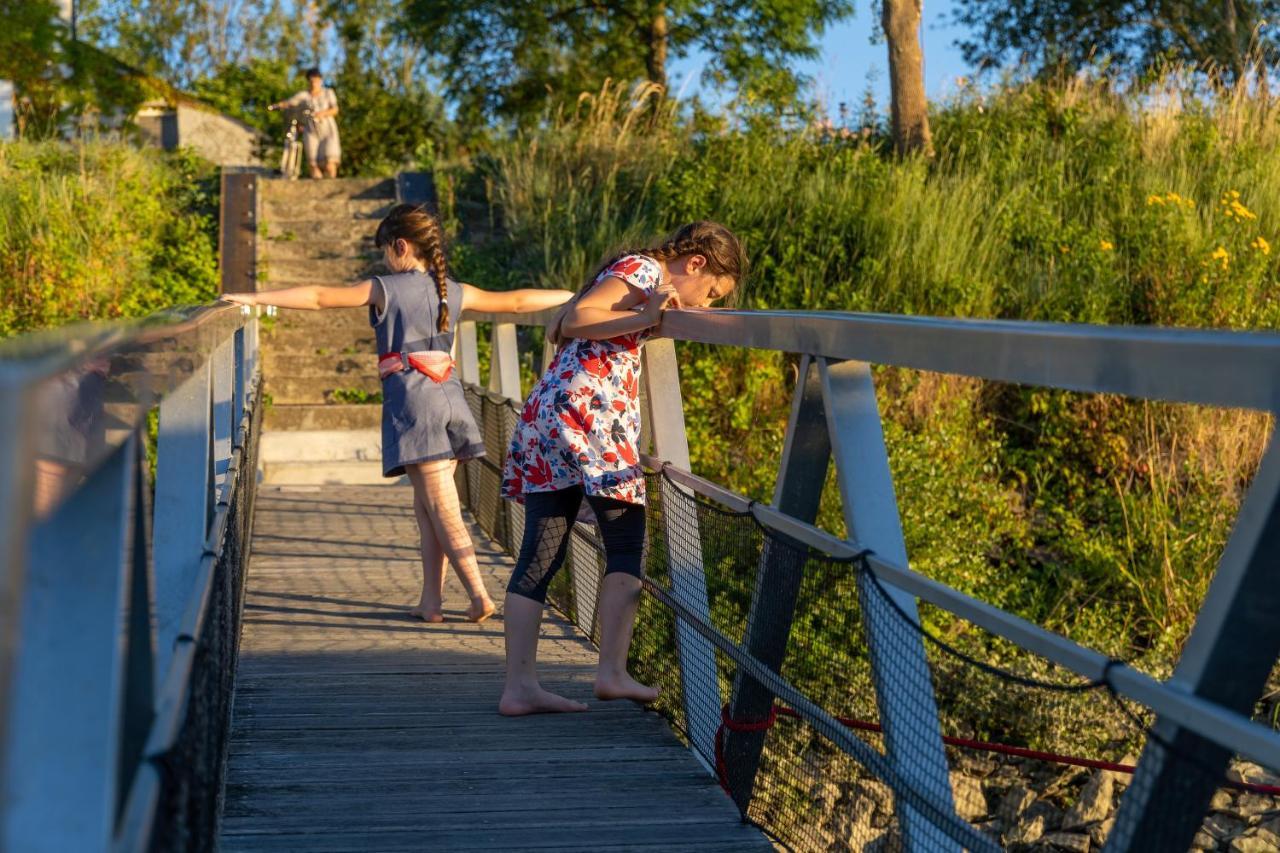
[(357, 727)]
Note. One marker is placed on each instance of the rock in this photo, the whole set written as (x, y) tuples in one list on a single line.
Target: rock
[(1250, 805), (1223, 827), (825, 793), (1100, 832), (971, 802), (975, 764), (1248, 772), (1094, 803), (1072, 841), (890, 842), (1027, 830), (1203, 841), (1253, 843), (1122, 780), (1015, 802), (875, 799), (1221, 801)]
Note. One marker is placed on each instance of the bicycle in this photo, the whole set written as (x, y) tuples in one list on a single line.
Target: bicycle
[(291, 154)]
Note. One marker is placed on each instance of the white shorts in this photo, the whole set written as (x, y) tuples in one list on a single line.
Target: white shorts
[(322, 149)]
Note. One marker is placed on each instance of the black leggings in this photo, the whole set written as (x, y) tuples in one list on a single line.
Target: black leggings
[(548, 521)]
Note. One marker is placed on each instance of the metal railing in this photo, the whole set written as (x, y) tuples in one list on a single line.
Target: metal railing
[(1201, 712), (120, 604)]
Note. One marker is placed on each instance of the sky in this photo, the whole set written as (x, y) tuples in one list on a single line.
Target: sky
[(850, 62)]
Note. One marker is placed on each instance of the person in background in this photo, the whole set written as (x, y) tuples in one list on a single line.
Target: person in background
[(320, 131)]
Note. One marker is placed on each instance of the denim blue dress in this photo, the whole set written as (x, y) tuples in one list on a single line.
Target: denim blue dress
[(422, 420)]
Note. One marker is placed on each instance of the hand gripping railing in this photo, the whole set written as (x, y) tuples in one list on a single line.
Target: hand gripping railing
[(1201, 712), (119, 623)]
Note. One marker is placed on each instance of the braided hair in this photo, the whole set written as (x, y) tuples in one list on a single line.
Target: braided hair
[(417, 227), (720, 246)]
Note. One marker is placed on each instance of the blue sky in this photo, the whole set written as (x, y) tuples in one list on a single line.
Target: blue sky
[(850, 62)]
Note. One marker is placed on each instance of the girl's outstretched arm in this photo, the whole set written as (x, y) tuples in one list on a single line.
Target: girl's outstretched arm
[(528, 301), (313, 297), (612, 308)]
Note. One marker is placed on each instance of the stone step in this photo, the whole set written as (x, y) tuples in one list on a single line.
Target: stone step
[(310, 342), (292, 251), (334, 320), (276, 363), (288, 389), (357, 209), (273, 275), (343, 235), (320, 417), (341, 188)]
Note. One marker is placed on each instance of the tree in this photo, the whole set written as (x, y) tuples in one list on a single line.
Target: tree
[(909, 109), (1066, 35), (500, 59)]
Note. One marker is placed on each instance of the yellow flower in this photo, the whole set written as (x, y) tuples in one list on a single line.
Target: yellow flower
[(1260, 243), (1154, 199), (1064, 249), (1106, 245), (1221, 254)]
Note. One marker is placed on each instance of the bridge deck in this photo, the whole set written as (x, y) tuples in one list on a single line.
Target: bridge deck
[(357, 727)]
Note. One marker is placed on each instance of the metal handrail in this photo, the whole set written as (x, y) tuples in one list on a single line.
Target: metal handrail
[(76, 403), (1204, 707)]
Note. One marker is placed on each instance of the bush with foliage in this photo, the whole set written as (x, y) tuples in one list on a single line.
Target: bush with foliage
[(101, 230)]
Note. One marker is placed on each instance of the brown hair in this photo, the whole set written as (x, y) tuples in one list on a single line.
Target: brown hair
[(720, 246), (417, 227)]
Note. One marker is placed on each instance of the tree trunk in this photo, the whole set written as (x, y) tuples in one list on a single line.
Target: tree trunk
[(1234, 57), (909, 109), (656, 57)]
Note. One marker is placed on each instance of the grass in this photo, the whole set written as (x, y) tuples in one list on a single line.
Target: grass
[(101, 230), (1100, 517)]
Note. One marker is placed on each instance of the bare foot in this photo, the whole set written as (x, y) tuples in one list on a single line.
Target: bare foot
[(427, 614), (519, 701), (623, 686), (480, 609)]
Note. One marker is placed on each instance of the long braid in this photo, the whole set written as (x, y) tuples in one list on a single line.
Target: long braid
[(420, 229), (440, 272)]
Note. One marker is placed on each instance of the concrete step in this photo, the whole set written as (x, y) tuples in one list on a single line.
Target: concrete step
[(321, 445), (327, 474), (326, 208), (341, 188), (319, 417), (292, 273), (288, 389)]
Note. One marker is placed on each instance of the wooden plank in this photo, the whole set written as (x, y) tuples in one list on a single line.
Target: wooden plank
[(357, 727)]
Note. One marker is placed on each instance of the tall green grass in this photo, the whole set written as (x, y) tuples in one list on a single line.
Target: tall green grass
[(1099, 517), (101, 229)]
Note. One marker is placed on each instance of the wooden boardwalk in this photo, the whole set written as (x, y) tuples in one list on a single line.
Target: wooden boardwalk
[(357, 727)]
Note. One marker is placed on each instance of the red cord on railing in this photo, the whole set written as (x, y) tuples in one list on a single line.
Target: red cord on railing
[(727, 722)]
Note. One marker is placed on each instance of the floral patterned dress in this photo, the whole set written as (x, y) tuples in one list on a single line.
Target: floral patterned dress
[(581, 423)]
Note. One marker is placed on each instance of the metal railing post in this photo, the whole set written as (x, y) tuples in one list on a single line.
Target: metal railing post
[(504, 362), (63, 769), (1227, 659), (698, 675), (806, 458), (17, 480), (223, 361), (467, 353), (183, 496), (904, 687)]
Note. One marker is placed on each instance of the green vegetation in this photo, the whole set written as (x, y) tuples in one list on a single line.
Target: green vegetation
[(357, 396), (1099, 517), (101, 230)]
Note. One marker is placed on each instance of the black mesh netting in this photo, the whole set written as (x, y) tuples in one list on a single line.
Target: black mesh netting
[(1034, 758), (192, 771)]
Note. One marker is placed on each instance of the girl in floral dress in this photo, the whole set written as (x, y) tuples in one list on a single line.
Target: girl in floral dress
[(578, 438)]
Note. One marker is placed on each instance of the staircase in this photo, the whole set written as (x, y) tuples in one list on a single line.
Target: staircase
[(322, 423)]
